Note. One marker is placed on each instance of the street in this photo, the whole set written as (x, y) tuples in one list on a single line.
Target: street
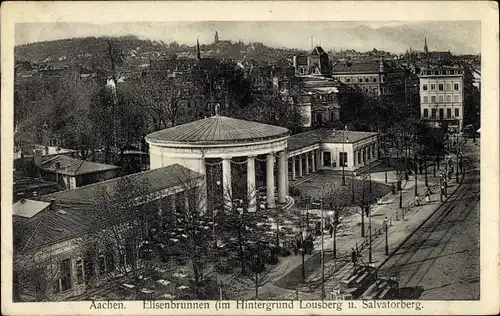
[(441, 260)]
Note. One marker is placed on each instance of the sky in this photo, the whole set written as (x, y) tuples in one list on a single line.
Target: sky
[(460, 37)]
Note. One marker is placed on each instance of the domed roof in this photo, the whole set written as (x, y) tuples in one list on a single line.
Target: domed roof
[(216, 130)]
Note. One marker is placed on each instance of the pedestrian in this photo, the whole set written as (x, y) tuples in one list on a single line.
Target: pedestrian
[(331, 231), (354, 257), (417, 200), (427, 197)]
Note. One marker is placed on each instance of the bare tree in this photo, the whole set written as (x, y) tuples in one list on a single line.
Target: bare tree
[(364, 198)]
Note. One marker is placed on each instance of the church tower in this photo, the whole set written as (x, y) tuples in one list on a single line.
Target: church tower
[(198, 52), (426, 50), (216, 37)]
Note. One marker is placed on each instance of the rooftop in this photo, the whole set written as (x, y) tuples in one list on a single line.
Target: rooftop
[(305, 139), (74, 213), (73, 167), (216, 130), (28, 208)]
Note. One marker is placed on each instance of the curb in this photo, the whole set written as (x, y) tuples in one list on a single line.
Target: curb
[(417, 228)]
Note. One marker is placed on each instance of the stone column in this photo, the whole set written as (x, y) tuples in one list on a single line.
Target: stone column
[(270, 180), (376, 151), (317, 154), (226, 184), (300, 166), (282, 175), (306, 155), (354, 158), (287, 185), (203, 199), (251, 189), (293, 168), (321, 157), (313, 161), (173, 199)]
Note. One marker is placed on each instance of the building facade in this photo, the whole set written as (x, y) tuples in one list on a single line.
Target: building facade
[(441, 96)]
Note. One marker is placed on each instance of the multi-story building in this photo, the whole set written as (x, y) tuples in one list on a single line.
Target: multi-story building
[(371, 76), (441, 95)]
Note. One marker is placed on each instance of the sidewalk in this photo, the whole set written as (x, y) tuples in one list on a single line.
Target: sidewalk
[(401, 224)]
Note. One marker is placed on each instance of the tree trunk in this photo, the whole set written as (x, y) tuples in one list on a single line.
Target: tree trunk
[(362, 222), (242, 255), (256, 286)]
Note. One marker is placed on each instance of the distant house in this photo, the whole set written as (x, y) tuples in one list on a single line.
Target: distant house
[(71, 173)]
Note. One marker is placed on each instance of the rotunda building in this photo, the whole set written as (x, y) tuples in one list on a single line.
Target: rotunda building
[(222, 142)]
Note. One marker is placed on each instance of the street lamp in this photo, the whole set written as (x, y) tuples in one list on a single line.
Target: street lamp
[(322, 242), (386, 227), (370, 235), (344, 156)]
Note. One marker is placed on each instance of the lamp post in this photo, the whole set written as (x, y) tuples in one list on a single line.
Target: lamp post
[(386, 227), (370, 235), (344, 156), (322, 243)]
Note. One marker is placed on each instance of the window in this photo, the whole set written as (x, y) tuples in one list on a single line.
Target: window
[(426, 99), (367, 80), (455, 98), (426, 113), (302, 71), (374, 79), (457, 112), (383, 79), (436, 72), (452, 72), (441, 87), (63, 283), (455, 86), (424, 87), (441, 114), (360, 79), (433, 86), (433, 98), (448, 86), (441, 99), (110, 259), (79, 270), (434, 113), (348, 80), (343, 159), (448, 113), (448, 98)]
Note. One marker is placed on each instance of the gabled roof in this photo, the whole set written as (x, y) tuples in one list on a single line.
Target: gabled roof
[(71, 166), (216, 130), (74, 214), (317, 51)]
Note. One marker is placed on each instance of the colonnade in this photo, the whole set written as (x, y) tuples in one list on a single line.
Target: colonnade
[(282, 180), (305, 163), (365, 154)]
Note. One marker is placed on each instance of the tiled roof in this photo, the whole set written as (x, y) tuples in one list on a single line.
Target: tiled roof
[(74, 213), (324, 135), (354, 66), (72, 166), (218, 129)]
